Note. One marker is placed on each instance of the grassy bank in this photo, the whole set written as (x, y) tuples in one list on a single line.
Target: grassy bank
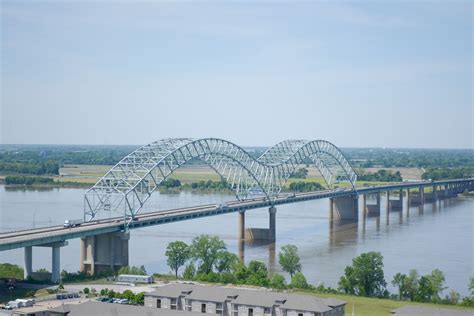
[(364, 306)]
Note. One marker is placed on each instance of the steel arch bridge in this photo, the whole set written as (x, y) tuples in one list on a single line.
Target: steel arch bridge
[(130, 183)]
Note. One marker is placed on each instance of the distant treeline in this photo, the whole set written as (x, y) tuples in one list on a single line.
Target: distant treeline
[(419, 158), (201, 185), (25, 180), (448, 173), (40, 167), (223, 185), (304, 186), (380, 176), (47, 159)]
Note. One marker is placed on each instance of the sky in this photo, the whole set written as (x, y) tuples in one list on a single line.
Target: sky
[(359, 74)]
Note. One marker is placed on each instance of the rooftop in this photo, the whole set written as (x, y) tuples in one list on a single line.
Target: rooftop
[(245, 296)]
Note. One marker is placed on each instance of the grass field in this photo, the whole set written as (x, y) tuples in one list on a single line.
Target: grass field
[(364, 306), (89, 174)]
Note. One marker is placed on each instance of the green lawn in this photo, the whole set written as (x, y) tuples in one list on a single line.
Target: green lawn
[(365, 306)]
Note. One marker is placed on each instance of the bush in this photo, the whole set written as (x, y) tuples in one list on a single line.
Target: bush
[(86, 290), (227, 277), (13, 271), (277, 281), (298, 281)]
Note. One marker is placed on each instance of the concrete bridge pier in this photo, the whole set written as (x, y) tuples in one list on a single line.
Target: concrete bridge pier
[(344, 208), (371, 209), (241, 227), (28, 267), (408, 201), (265, 234), (55, 260), (104, 252)]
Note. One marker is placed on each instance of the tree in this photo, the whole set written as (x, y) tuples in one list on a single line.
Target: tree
[(412, 283), (277, 281), (365, 277), (225, 261), (289, 259), (437, 281), (399, 280), (86, 290), (298, 281), (471, 285), (241, 272), (206, 250), (189, 272), (178, 253), (453, 297), (425, 290), (258, 273)]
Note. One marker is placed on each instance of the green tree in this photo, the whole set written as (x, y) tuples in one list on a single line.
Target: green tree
[(189, 272), (258, 273), (86, 290), (178, 253), (365, 277), (437, 281), (8, 270), (289, 259), (205, 250), (241, 272), (298, 281), (425, 290), (399, 280), (225, 261), (412, 283), (471, 285), (277, 281)]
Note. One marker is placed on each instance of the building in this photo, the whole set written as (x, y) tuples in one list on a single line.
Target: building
[(228, 301), (90, 308), (129, 278), (415, 310)]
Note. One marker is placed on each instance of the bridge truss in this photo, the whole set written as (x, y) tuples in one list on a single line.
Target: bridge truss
[(130, 183)]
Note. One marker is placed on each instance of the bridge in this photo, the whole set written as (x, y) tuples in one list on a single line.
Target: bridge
[(129, 184)]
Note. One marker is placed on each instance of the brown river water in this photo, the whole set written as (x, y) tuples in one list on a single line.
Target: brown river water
[(440, 236)]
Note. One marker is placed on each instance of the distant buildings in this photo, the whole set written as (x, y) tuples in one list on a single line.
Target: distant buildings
[(131, 278), (227, 301)]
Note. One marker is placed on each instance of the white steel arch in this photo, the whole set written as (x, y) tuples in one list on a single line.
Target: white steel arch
[(128, 185)]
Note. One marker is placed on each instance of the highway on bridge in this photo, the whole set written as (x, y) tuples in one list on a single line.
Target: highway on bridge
[(47, 235)]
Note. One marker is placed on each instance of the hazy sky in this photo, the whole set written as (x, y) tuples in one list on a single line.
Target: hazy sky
[(365, 74)]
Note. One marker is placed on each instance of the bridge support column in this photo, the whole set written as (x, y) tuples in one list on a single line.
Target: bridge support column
[(241, 228), (364, 206), (422, 195), (371, 209), (28, 268), (408, 201), (388, 201), (55, 267), (345, 208), (104, 252), (264, 234), (272, 223)]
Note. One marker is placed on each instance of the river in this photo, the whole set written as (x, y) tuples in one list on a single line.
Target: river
[(440, 236)]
